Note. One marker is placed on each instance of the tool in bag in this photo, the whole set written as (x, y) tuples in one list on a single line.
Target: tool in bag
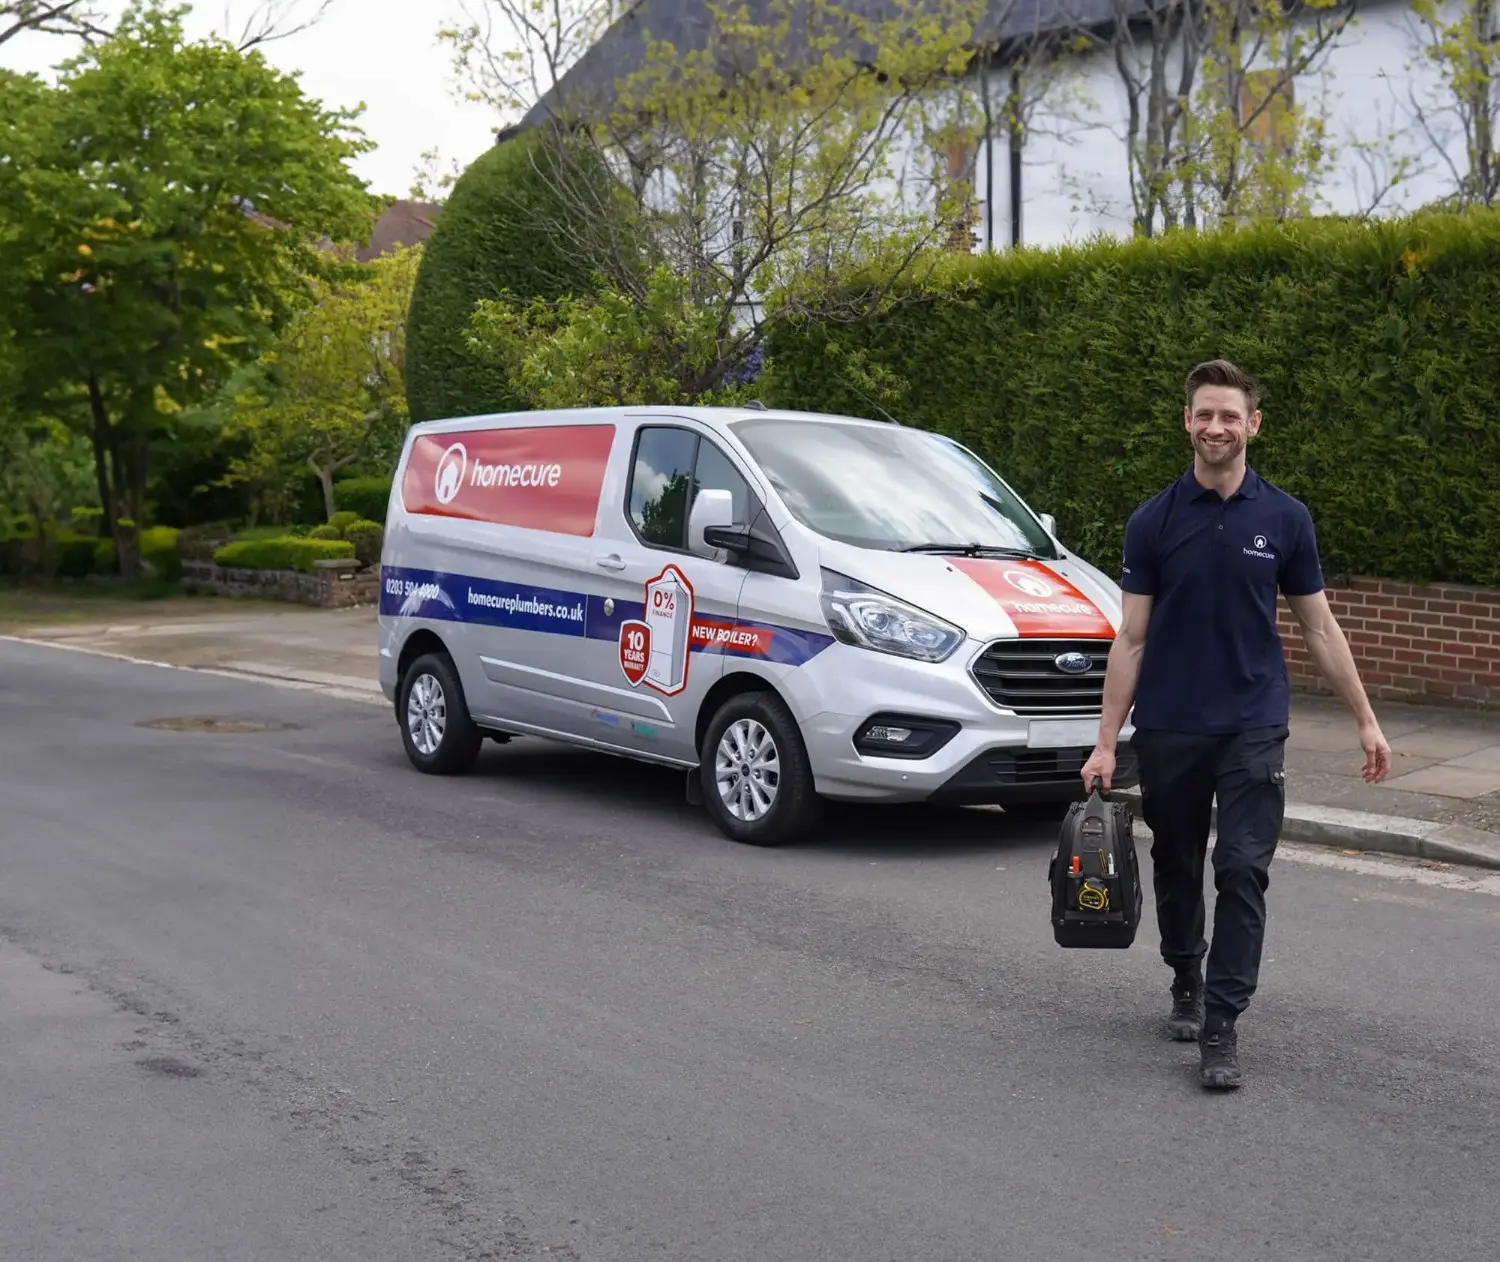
[(1095, 878)]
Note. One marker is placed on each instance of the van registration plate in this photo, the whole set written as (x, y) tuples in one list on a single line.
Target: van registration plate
[(1062, 733)]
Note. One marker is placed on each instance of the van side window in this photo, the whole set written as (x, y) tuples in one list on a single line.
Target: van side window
[(715, 473), (671, 466), (659, 485)]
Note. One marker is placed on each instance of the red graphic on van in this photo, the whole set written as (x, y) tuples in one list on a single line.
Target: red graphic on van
[(731, 636), (538, 478), (635, 650), (1040, 602)]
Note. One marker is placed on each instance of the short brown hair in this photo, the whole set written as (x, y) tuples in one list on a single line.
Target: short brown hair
[(1220, 372)]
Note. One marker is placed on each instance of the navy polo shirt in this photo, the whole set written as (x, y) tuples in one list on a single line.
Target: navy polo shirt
[(1213, 661)]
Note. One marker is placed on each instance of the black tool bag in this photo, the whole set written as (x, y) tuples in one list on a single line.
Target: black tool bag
[(1096, 881)]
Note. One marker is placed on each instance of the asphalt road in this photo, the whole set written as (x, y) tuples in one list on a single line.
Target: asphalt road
[(274, 995)]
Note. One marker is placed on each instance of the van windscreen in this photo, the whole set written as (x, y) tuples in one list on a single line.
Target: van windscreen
[(888, 487)]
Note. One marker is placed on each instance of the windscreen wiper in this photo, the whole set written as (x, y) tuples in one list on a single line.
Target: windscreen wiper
[(970, 549)]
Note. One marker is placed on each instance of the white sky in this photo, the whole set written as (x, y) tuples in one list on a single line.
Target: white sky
[(382, 52)]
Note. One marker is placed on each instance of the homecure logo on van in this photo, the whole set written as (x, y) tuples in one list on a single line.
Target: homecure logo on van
[(453, 465), (515, 474)]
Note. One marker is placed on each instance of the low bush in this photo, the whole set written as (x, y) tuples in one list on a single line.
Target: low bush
[(342, 518), (285, 553), (74, 556), (367, 498), (159, 551), (367, 538), (326, 531)]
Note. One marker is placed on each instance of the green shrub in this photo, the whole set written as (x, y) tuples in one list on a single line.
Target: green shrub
[(342, 519), (159, 550), (198, 543), (367, 538), (73, 555), (286, 553), (326, 531), (494, 234), (1374, 346), (368, 497), (104, 557)]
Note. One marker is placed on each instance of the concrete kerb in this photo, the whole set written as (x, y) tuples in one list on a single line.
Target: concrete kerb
[(1379, 834)]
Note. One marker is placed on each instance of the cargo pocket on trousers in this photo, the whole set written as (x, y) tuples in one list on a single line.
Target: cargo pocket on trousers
[(1270, 798)]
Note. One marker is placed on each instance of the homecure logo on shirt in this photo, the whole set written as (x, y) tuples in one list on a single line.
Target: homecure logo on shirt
[(1260, 549)]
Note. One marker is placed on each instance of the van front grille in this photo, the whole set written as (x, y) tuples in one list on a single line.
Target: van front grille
[(1024, 677)]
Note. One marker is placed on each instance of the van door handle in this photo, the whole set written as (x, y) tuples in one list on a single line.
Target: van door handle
[(611, 562)]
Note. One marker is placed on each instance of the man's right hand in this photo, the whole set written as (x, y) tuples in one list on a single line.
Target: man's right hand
[(1101, 765)]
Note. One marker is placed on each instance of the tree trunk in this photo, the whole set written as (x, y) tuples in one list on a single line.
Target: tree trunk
[(325, 477), (106, 457)]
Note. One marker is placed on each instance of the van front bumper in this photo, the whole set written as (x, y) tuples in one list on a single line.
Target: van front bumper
[(980, 753)]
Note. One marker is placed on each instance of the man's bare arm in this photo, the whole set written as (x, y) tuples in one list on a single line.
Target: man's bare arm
[(1329, 649), (1124, 668)]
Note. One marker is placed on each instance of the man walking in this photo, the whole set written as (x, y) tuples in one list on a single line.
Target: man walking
[(1199, 654)]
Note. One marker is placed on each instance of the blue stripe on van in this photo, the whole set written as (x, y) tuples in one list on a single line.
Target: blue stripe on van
[(460, 598)]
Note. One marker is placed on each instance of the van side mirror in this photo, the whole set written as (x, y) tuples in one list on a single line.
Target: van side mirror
[(712, 510), (1049, 523)]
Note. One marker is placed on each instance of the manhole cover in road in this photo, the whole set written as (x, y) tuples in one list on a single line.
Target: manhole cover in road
[(202, 723)]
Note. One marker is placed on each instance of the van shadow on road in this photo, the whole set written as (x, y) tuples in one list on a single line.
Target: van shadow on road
[(608, 784)]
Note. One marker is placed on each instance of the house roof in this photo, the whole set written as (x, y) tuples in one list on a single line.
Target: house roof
[(404, 223), (686, 24)]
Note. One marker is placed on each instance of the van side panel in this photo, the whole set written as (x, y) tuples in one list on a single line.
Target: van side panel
[(495, 530)]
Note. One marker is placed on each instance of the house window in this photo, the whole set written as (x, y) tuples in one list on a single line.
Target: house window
[(1267, 102)]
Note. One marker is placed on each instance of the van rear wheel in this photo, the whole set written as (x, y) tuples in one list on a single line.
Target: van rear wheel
[(756, 779), (439, 736)]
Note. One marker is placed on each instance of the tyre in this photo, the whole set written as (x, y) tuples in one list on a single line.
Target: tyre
[(439, 736), (756, 779)]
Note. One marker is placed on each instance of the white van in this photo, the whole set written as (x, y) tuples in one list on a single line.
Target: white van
[(792, 607)]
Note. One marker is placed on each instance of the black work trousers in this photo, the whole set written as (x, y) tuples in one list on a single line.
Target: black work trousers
[(1181, 774)]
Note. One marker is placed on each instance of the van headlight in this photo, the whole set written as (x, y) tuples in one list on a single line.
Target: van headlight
[(869, 619)]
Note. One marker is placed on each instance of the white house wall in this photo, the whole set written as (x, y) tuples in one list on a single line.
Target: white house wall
[(1076, 180)]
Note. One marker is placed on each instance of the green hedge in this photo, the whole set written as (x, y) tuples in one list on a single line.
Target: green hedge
[(1374, 346), (76, 555), (158, 545), (287, 553), (493, 234), (367, 498)]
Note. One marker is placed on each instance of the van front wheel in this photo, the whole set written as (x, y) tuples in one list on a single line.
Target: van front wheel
[(757, 781), (436, 730)]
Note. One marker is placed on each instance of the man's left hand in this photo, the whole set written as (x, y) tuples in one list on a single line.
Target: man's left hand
[(1377, 752)]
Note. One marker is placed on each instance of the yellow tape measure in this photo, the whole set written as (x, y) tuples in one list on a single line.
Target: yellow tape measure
[(1093, 898)]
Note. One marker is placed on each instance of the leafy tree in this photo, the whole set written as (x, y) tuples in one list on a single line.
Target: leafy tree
[(1213, 132), (1461, 41), (44, 475), (331, 389), (268, 20), (498, 233), (760, 168), (606, 349), (164, 205)]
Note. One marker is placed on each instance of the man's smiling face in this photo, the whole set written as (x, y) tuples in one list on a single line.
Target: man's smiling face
[(1220, 424)]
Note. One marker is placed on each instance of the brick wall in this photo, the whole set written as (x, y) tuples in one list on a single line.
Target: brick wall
[(1434, 644)]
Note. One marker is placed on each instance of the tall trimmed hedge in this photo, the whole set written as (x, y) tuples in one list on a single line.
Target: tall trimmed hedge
[(495, 232), (1375, 346)]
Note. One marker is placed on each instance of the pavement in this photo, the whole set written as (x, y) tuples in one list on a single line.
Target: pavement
[(1441, 802), (267, 993)]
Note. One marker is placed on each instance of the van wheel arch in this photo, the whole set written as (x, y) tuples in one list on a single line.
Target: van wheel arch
[(418, 644), (729, 686), (754, 706)]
